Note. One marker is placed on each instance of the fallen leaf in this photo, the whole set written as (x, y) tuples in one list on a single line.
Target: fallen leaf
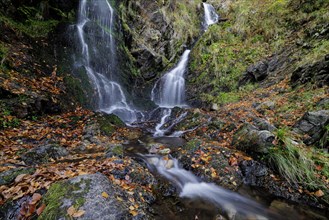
[(71, 211), (41, 208), (78, 213), (35, 198), (133, 212), (319, 193), (105, 195), (20, 177)]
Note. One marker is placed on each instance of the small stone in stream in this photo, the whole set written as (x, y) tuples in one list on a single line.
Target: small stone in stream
[(43, 154), (164, 151)]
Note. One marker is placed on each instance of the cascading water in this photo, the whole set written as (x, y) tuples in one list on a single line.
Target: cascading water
[(211, 17), (95, 31), (231, 204), (169, 91)]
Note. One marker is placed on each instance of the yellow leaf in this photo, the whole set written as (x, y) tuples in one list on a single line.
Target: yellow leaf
[(105, 195), (134, 213), (78, 213), (131, 207)]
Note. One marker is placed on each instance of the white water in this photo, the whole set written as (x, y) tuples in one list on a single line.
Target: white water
[(191, 187), (211, 17), (165, 114), (169, 91), (95, 29)]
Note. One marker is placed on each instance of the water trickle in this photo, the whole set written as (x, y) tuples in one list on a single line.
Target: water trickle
[(169, 91), (95, 30), (190, 187), (211, 17)]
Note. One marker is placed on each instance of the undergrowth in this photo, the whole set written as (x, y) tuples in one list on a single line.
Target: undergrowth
[(294, 162)]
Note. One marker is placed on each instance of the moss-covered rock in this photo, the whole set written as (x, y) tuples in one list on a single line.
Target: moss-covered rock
[(108, 123), (43, 154), (9, 176), (83, 193)]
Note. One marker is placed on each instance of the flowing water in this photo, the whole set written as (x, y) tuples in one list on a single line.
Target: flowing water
[(211, 17), (95, 29), (169, 91)]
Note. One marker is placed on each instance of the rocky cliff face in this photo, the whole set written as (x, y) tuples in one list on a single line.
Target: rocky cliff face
[(155, 35)]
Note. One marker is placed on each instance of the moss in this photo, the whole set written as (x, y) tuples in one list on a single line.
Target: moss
[(74, 88), (9, 176), (117, 150), (192, 145), (56, 194), (31, 27), (108, 123)]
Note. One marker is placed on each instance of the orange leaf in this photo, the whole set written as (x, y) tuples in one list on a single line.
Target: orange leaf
[(319, 193), (41, 208)]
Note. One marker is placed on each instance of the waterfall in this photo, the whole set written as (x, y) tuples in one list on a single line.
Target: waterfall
[(169, 91), (211, 17), (95, 29)]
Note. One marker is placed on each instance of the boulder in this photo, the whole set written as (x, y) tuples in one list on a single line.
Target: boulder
[(317, 73), (250, 139), (314, 125), (93, 195), (43, 154)]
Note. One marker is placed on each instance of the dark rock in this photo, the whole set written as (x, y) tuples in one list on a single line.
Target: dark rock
[(263, 124), (43, 154), (84, 193), (313, 124), (248, 138), (9, 176), (255, 73), (323, 103), (252, 171), (317, 74), (262, 107)]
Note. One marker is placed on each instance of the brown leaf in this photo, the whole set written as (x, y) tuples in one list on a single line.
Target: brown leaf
[(41, 208), (35, 198), (71, 211), (78, 213), (20, 177)]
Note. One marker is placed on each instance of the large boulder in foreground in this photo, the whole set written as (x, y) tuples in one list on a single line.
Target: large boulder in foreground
[(92, 196), (250, 139), (314, 125)]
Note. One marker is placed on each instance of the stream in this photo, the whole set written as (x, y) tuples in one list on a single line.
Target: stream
[(200, 199)]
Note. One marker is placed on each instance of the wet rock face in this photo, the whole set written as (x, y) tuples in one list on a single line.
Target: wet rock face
[(250, 139), (43, 154), (317, 74), (314, 125), (84, 193)]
